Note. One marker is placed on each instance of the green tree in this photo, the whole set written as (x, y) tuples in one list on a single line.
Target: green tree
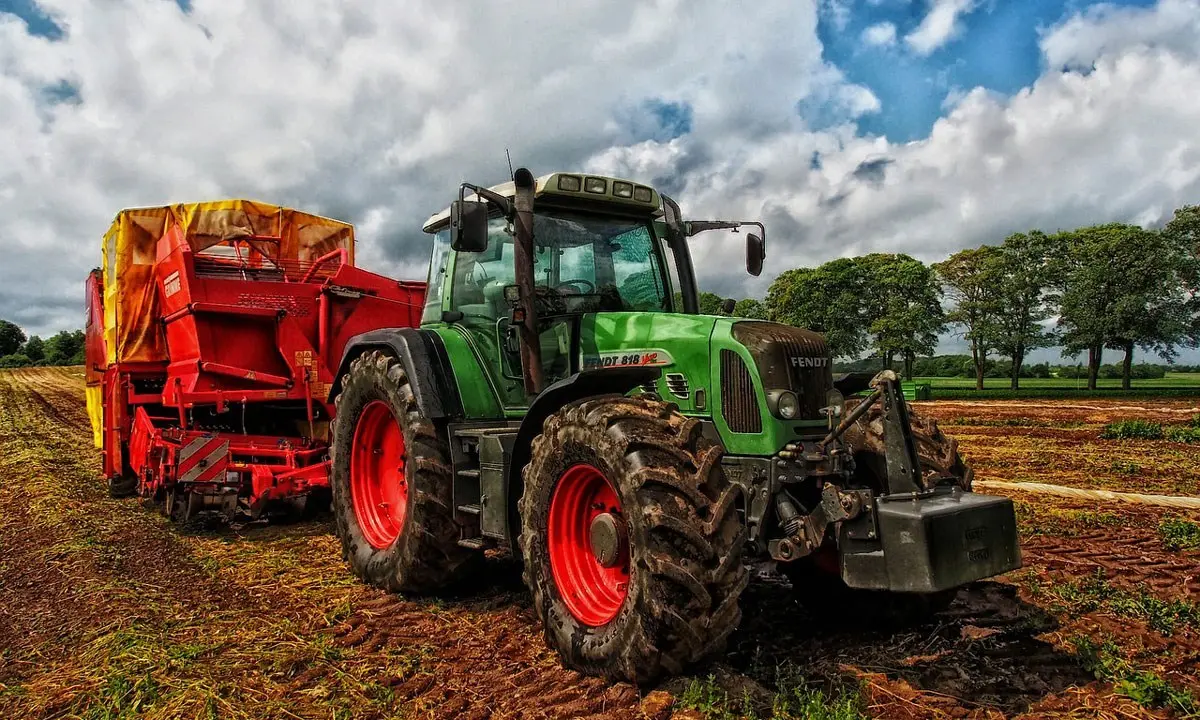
[(1087, 275), (65, 348), (903, 307), (971, 283), (1183, 235), (1023, 276), (710, 303), (13, 361), (1123, 287), (11, 337), (34, 349), (827, 299), (750, 308)]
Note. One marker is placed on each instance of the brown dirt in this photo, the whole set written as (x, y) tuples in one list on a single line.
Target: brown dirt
[(109, 611)]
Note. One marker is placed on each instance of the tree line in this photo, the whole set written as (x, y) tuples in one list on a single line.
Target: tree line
[(1104, 287), (16, 350)]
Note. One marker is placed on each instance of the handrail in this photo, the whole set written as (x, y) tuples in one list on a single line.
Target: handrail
[(340, 252)]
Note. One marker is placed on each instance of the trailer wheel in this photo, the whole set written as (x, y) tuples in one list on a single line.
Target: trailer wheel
[(632, 539), (122, 486), (391, 483)]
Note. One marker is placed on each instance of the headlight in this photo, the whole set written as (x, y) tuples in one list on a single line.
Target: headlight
[(784, 403)]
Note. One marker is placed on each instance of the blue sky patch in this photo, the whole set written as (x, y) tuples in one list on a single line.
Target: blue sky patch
[(35, 18), (996, 48)]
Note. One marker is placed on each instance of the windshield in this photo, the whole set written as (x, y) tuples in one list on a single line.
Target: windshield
[(591, 264)]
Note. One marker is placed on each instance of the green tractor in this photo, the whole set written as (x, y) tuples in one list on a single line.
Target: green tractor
[(564, 400)]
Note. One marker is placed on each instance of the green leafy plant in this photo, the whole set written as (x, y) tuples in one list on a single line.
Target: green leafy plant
[(1104, 660), (1132, 430), (1179, 533)]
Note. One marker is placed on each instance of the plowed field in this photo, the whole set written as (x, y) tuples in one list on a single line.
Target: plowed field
[(108, 611)]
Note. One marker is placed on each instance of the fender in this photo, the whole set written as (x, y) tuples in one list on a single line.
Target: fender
[(425, 361), (588, 383)]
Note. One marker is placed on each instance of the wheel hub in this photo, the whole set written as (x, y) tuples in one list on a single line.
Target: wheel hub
[(609, 539), (587, 539), (378, 487)]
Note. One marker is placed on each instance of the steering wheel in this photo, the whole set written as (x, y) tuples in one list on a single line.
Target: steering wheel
[(591, 287)]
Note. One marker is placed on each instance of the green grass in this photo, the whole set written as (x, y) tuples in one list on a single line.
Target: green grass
[(1179, 533), (1173, 385), (1132, 430), (1095, 593), (795, 700), (1172, 380), (1146, 430), (1103, 659)]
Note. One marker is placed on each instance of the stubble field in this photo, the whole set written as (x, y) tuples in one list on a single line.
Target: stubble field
[(108, 611)]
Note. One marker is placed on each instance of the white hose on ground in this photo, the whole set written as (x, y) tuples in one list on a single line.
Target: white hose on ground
[(1171, 501)]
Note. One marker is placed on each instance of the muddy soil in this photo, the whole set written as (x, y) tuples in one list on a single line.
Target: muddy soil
[(108, 610)]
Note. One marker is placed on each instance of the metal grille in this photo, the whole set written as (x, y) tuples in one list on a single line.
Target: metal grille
[(739, 404), (792, 358), (677, 383)]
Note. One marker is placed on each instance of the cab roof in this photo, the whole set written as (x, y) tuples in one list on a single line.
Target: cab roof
[(581, 186)]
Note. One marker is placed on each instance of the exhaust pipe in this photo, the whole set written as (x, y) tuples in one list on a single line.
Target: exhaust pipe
[(531, 355)]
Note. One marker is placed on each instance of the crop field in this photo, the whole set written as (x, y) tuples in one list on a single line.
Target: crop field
[(108, 611)]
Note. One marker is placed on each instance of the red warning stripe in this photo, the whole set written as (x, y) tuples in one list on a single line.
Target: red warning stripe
[(203, 459)]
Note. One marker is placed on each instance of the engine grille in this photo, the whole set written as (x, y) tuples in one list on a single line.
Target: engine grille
[(739, 404), (791, 358)]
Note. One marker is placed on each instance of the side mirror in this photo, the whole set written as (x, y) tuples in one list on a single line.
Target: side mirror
[(727, 305), (756, 252), (468, 226)]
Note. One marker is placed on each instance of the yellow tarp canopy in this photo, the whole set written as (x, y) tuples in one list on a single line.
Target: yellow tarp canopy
[(132, 332)]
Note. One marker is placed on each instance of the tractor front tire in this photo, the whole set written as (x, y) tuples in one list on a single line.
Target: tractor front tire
[(391, 483), (631, 538)]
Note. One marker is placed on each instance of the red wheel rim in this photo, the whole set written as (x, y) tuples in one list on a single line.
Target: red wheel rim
[(378, 487), (592, 592)]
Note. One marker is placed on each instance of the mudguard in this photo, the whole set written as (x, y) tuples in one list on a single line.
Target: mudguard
[(584, 384), (425, 361)]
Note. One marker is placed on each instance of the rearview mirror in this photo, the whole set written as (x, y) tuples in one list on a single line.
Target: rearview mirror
[(756, 252), (468, 226), (727, 305)]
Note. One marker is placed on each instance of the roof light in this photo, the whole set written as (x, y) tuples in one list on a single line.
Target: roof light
[(642, 194), (623, 189), (569, 183), (595, 185)]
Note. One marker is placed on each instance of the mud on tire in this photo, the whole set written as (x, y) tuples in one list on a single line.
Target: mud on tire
[(937, 451), (425, 556), (685, 537)]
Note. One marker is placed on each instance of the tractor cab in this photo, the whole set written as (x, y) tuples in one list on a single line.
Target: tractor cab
[(600, 245)]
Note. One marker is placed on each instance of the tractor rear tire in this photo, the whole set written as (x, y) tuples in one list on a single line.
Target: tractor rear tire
[(412, 547), (668, 598)]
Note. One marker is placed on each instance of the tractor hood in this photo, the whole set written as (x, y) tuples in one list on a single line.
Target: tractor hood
[(719, 367), (677, 344)]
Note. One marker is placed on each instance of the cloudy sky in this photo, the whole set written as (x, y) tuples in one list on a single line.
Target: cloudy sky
[(848, 126)]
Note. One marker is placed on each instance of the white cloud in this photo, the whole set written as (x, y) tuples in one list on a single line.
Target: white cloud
[(367, 111), (1102, 29), (837, 12), (940, 25), (375, 113), (880, 35), (1115, 144)]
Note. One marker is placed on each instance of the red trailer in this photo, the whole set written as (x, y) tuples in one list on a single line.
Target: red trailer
[(214, 330)]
